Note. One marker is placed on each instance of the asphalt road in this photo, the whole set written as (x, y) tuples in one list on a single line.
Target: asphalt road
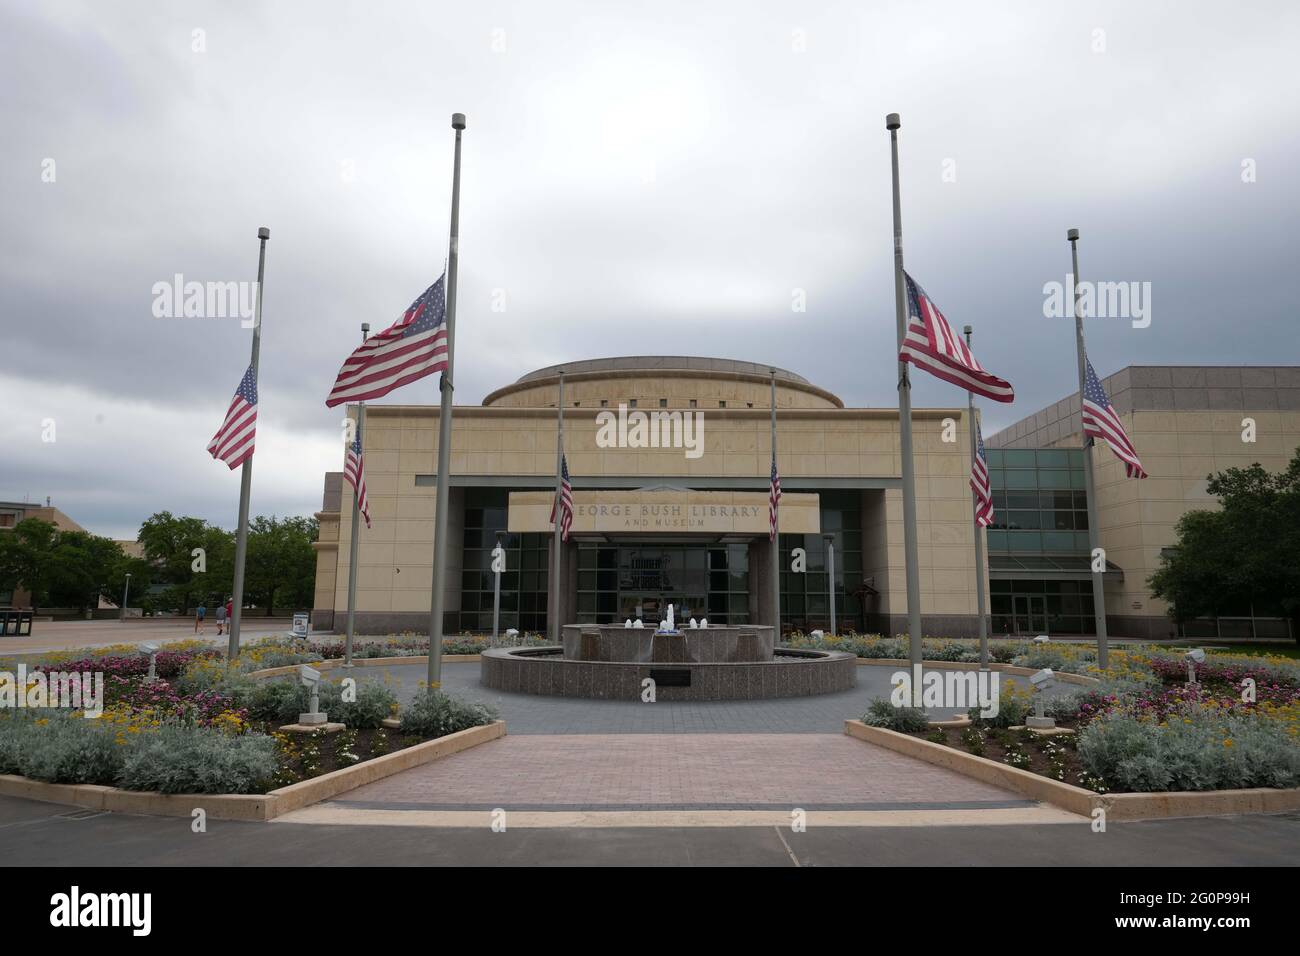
[(110, 839)]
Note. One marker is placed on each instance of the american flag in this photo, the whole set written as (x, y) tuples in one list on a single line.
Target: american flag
[(773, 497), (979, 482), (233, 442), (564, 500), (412, 347), (931, 344), (1100, 421), (354, 473)]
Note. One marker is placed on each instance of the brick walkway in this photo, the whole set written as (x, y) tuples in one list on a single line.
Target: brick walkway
[(678, 772), (534, 714)]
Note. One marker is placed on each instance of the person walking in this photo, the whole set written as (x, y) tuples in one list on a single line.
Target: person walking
[(199, 614), (221, 619)]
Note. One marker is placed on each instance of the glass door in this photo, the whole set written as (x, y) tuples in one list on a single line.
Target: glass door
[(1029, 614)]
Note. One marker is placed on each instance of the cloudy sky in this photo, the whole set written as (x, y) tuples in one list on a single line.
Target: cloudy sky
[(638, 178)]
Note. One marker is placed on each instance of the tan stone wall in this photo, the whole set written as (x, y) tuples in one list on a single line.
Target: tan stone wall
[(395, 569), (647, 389), (1178, 449)]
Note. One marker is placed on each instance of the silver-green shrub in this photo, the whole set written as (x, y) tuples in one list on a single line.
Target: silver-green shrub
[(881, 712), (59, 748), (1209, 753), (180, 759), (434, 713)]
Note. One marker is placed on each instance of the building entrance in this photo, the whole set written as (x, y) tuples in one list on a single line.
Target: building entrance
[(629, 580)]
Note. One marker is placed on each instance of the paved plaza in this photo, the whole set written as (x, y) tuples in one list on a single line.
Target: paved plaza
[(679, 772), (536, 714), (49, 636)]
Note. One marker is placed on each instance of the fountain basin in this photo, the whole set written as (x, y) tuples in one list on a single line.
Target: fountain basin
[(547, 671), (707, 645)]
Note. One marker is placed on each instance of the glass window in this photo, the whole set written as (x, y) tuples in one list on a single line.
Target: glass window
[(1023, 519), (1019, 458), (1021, 479), (1058, 541), (1054, 478)]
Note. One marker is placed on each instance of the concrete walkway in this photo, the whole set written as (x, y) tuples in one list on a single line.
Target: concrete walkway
[(535, 714), (49, 636)]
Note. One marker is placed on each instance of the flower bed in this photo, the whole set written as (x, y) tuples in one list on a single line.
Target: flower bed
[(1142, 729), (412, 645), (209, 728)]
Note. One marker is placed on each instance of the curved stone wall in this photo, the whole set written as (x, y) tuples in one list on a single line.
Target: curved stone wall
[(791, 673)]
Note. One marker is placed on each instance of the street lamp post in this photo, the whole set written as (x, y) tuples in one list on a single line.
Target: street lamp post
[(125, 593)]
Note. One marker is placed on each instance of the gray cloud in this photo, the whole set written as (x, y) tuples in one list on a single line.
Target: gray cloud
[(649, 180)]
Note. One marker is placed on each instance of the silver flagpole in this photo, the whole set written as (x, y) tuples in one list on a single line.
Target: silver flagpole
[(776, 538), (496, 591), (556, 634), (442, 500), (979, 531), (830, 573), (892, 123), (1098, 589), (246, 475), (356, 519)]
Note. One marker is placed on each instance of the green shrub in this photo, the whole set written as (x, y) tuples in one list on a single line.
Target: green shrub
[(277, 701), (182, 759), (1014, 705), (434, 713), (1210, 753), (63, 749), (373, 705), (14, 727), (881, 712)]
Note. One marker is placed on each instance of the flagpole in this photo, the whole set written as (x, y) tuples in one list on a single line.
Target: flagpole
[(1098, 588), (441, 503), (892, 123), (776, 535), (246, 475), (557, 634), (979, 530), (356, 520)]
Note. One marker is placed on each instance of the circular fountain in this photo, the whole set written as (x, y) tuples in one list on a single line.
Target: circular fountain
[(613, 662)]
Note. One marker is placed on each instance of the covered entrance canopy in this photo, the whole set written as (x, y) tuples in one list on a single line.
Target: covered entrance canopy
[(667, 511), (636, 552)]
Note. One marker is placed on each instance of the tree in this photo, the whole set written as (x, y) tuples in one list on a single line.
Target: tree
[(142, 573), (281, 563), (26, 555), (80, 564), (58, 568), (1248, 552), (169, 544)]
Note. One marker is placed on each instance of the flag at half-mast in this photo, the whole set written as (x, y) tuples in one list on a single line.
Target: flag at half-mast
[(234, 440), (411, 348), (979, 482), (564, 500), (932, 345), (773, 498), (1100, 421), (354, 473)]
